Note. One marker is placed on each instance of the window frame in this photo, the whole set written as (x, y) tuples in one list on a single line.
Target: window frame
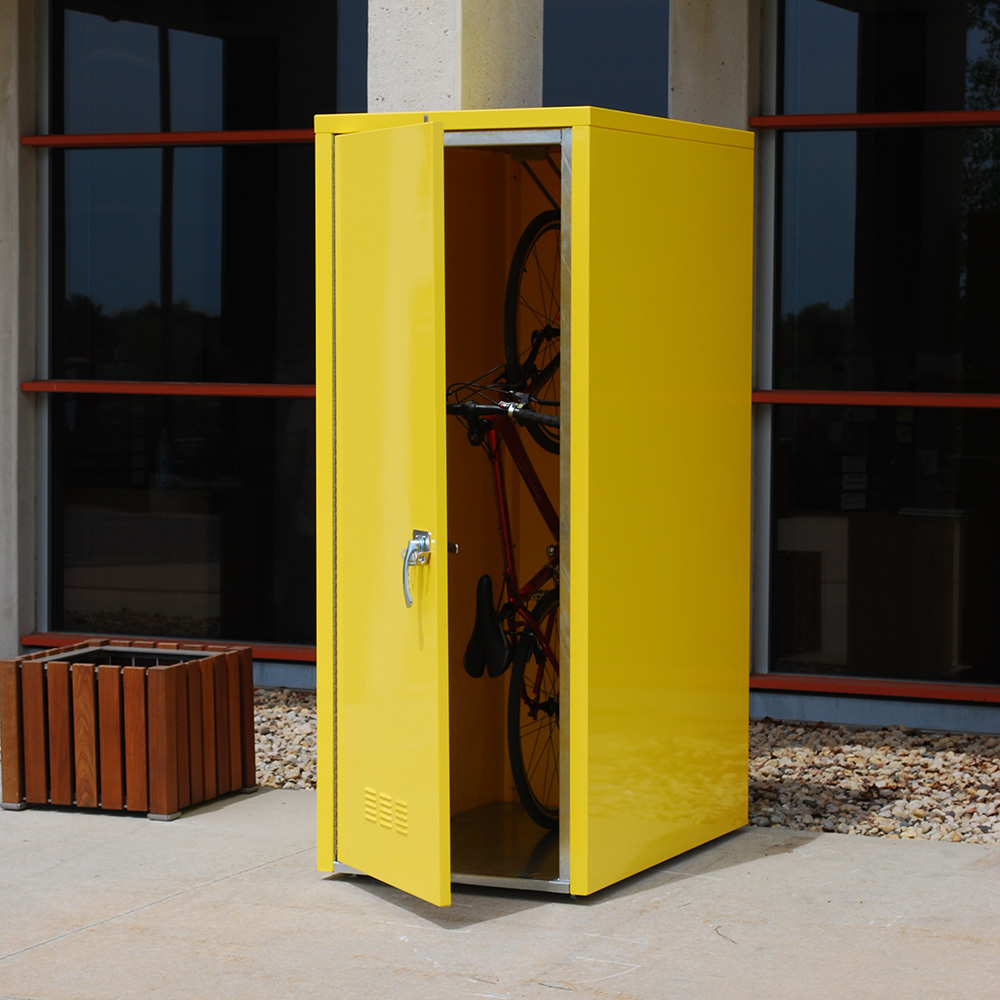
[(46, 388), (764, 397)]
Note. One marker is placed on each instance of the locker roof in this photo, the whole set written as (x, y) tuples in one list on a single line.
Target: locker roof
[(536, 118)]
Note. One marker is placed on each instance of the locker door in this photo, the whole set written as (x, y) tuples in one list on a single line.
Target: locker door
[(392, 697)]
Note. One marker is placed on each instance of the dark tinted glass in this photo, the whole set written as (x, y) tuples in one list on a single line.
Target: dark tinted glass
[(186, 264), (180, 516), (607, 53), (887, 542), (188, 65), (889, 252), (922, 55)]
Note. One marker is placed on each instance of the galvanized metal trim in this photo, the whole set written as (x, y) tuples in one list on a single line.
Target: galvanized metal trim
[(339, 868), (512, 882), (506, 137), (764, 284), (565, 432), (559, 885)]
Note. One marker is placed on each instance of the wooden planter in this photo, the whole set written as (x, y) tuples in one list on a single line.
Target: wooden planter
[(143, 726)]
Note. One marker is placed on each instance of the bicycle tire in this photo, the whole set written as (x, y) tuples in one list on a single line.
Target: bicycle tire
[(531, 309), (533, 744)]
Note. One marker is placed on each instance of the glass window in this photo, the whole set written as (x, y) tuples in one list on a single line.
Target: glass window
[(607, 53), (185, 264), (890, 242), (188, 516), (196, 65), (888, 539), (185, 516), (887, 55), (820, 66)]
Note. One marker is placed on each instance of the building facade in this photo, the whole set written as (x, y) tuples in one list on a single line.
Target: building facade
[(156, 320)]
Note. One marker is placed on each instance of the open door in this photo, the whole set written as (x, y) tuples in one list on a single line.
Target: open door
[(392, 777)]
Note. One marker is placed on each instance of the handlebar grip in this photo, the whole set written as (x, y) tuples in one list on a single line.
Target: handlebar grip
[(521, 415), (534, 417)]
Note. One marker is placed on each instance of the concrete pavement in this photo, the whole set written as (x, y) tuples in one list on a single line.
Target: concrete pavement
[(226, 902)]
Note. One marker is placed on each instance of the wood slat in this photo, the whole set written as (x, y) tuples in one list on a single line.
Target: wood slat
[(36, 743), (195, 735), (111, 742), (11, 734), (136, 747), (220, 670), (233, 719), (208, 738), (85, 749), (162, 693), (248, 738), (60, 726), (183, 737)]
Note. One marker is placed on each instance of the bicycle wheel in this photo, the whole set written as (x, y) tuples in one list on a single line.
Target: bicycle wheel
[(533, 718), (531, 318)]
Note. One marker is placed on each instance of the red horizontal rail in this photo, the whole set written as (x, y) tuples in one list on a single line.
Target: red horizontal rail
[(238, 389), (105, 140), (287, 654), (876, 687), (825, 684), (837, 397), (879, 119)]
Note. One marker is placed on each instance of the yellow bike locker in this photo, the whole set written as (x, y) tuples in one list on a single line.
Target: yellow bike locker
[(417, 215)]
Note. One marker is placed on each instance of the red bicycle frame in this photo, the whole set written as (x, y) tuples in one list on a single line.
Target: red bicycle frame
[(502, 428)]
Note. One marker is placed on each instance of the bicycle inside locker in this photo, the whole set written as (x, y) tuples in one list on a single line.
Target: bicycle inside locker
[(503, 266)]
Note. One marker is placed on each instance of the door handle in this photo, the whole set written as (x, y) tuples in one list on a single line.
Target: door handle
[(416, 553)]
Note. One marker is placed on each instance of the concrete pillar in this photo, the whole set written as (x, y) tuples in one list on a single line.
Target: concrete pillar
[(442, 55), (18, 238), (715, 61)]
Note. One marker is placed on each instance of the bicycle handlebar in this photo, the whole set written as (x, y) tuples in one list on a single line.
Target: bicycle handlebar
[(517, 413)]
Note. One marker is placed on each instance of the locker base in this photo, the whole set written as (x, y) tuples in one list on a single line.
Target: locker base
[(498, 840), (498, 846)]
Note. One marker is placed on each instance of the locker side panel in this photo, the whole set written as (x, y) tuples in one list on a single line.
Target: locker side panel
[(659, 497)]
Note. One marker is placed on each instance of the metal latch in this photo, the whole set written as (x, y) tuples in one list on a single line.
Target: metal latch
[(416, 553)]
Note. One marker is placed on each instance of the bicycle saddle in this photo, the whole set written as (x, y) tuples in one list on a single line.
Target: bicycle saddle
[(488, 648)]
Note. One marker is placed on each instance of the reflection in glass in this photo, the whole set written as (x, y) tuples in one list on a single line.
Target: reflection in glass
[(890, 242), (925, 55), (182, 264), (820, 68), (121, 76), (608, 53), (195, 66), (888, 542), (111, 75), (182, 516)]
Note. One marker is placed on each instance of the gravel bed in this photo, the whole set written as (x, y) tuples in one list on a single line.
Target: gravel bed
[(874, 782), (286, 737)]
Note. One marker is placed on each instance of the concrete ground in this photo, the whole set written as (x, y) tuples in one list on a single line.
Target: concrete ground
[(226, 902)]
